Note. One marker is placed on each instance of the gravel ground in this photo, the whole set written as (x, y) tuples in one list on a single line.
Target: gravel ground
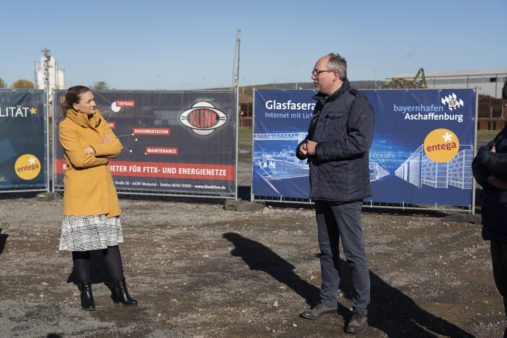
[(201, 270)]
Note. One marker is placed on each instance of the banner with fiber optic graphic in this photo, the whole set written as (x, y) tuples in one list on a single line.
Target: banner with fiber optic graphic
[(422, 149), (423, 146), (174, 143), (23, 141)]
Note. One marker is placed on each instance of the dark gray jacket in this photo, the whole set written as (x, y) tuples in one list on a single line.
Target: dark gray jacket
[(342, 125), (494, 201)]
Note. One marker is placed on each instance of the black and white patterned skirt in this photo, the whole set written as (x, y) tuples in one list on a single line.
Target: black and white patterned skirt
[(83, 233)]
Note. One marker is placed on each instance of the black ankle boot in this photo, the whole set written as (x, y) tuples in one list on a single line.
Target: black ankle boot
[(120, 293), (87, 301)]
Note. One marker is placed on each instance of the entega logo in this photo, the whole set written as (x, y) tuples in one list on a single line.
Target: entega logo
[(27, 167), (452, 102), (203, 118), (441, 145)]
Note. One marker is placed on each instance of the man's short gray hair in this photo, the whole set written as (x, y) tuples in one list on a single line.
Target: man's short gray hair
[(338, 63)]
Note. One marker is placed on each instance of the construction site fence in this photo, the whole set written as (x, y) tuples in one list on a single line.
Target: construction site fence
[(175, 143), (423, 146)]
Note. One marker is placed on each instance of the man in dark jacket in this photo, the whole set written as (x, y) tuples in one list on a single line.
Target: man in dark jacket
[(488, 174), (337, 145)]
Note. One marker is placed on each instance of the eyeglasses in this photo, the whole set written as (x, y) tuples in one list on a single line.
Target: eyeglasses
[(317, 71)]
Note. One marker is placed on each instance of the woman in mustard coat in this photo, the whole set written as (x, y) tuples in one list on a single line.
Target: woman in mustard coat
[(90, 203)]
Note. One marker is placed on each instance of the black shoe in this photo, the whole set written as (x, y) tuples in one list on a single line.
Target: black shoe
[(120, 293), (317, 311), (87, 302), (357, 323)]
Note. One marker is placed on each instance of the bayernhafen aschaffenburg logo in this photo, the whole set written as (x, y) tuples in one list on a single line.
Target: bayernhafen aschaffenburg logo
[(452, 102), (203, 118)]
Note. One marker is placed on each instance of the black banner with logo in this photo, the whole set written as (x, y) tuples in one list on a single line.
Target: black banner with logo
[(23, 141), (174, 143)]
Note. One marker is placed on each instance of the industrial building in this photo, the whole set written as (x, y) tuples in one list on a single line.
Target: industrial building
[(49, 75), (487, 82)]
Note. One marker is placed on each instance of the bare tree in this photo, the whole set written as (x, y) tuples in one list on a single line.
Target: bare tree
[(100, 85)]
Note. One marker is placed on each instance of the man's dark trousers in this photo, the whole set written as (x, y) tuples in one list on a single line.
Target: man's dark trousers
[(499, 260), (335, 221)]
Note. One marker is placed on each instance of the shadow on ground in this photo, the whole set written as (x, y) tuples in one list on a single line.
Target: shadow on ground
[(244, 192), (259, 257), (3, 240), (390, 310)]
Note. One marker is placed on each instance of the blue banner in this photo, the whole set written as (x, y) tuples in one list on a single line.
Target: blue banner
[(23, 140), (281, 120), (421, 154)]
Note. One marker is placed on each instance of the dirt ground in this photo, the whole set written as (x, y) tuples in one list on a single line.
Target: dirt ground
[(199, 269)]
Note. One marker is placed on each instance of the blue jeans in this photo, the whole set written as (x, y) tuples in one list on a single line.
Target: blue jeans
[(342, 220)]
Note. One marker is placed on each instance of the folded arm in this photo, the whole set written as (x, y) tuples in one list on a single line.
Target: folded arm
[(78, 157), (111, 146), (487, 166)]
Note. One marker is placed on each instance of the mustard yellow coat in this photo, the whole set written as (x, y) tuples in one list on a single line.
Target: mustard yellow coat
[(89, 186)]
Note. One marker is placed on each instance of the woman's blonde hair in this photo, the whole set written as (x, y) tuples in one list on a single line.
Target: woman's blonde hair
[(72, 96)]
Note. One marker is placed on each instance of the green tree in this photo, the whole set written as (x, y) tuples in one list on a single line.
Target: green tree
[(100, 85), (2, 83), (23, 84)]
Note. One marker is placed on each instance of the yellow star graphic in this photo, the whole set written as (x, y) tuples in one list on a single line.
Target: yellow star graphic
[(33, 111)]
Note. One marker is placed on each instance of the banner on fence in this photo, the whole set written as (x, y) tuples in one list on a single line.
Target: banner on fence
[(180, 143), (281, 119), (421, 154), (23, 141)]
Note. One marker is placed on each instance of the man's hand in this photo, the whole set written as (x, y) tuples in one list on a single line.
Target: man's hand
[(108, 139), (303, 151), (310, 147)]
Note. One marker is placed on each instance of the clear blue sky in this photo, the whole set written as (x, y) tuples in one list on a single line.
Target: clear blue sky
[(189, 44)]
